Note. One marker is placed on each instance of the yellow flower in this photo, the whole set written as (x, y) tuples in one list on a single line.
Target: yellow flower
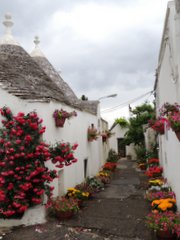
[(157, 181), (71, 189), (156, 202), (163, 206)]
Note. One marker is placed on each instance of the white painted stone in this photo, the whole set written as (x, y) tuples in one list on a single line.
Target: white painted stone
[(36, 52), (8, 38)]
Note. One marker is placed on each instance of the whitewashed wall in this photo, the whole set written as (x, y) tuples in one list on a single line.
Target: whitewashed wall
[(168, 90), (104, 146), (150, 139), (74, 131), (118, 133), (130, 151)]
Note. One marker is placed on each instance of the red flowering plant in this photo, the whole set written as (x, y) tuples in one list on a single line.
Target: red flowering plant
[(61, 115), (24, 178), (159, 124), (63, 154), (172, 112), (154, 171), (110, 166), (153, 162), (169, 109), (106, 134)]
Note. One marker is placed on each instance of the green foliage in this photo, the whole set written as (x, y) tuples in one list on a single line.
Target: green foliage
[(112, 156), (153, 153), (122, 122), (84, 98), (141, 154), (141, 115)]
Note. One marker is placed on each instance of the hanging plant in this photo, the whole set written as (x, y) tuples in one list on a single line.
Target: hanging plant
[(106, 135), (63, 154), (159, 125), (61, 115), (92, 133)]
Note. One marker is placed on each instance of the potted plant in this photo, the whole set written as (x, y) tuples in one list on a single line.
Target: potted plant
[(104, 177), (174, 120), (95, 183), (106, 134), (92, 133), (159, 125), (62, 154), (78, 194), (151, 196), (169, 109), (153, 162), (61, 115), (172, 112), (154, 172), (64, 208), (164, 204), (166, 225), (110, 166)]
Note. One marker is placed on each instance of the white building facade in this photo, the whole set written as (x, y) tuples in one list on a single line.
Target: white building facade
[(167, 89)]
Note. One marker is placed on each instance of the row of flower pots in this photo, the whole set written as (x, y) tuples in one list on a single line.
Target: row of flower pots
[(163, 218), (65, 207), (61, 115)]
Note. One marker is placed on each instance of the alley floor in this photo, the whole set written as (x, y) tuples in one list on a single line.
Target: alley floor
[(117, 213)]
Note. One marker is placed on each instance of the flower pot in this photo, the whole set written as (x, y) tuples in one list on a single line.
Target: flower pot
[(165, 235), (60, 122), (61, 215), (178, 135)]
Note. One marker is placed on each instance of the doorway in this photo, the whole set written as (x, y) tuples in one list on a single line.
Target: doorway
[(121, 147)]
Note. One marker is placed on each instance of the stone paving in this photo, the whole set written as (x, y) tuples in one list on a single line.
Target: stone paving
[(117, 213)]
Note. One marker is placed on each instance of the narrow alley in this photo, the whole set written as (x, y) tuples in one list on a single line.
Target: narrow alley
[(117, 213)]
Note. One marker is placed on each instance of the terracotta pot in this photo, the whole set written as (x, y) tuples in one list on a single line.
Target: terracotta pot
[(178, 135), (60, 122), (64, 215), (166, 235)]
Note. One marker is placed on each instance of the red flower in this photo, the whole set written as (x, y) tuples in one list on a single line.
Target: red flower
[(28, 138), (36, 200)]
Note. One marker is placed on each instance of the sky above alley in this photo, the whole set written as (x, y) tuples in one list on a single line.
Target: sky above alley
[(100, 47)]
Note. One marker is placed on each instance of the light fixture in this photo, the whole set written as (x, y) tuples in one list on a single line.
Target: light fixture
[(108, 96)]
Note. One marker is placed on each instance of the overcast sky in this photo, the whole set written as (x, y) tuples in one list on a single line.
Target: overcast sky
[(100, 46)]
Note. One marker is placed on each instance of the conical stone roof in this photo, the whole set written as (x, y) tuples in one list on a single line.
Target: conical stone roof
[(42, 61), (22, 76)]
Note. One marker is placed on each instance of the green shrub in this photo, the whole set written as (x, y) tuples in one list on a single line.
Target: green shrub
[(112, 156)]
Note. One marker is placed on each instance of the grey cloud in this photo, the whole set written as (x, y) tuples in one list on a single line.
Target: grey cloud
[(125, 61)]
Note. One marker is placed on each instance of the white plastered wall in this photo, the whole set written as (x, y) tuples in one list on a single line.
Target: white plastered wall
[(74, 131)]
